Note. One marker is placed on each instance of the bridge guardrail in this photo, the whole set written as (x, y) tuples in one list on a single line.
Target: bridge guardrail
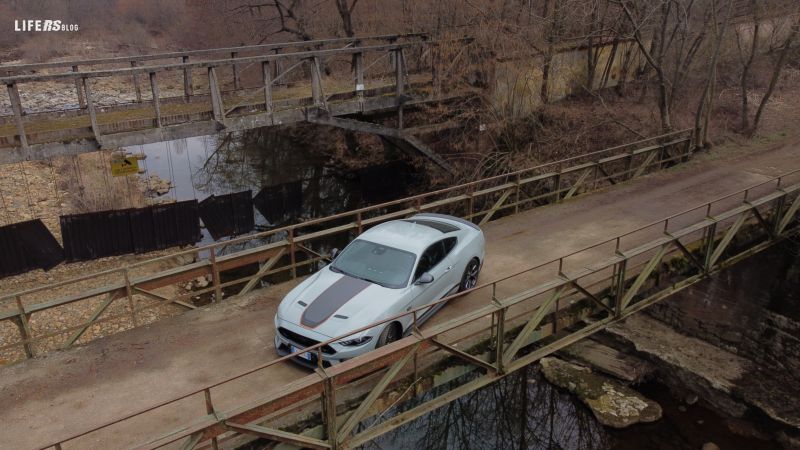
[(548, 307), (377, 69), (132, 295)]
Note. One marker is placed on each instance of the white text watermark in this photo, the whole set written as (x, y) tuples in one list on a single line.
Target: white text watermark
[(43, 25)]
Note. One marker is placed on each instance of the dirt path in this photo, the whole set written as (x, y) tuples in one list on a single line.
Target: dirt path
[(66, 393)]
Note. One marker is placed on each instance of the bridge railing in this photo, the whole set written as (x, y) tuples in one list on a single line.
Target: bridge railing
[(269, 88), (34, 321), (513, 322)]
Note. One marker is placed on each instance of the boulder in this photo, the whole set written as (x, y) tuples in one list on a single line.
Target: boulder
[(612, 403)]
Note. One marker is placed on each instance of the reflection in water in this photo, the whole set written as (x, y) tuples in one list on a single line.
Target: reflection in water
[(216, 165), (517, 412)]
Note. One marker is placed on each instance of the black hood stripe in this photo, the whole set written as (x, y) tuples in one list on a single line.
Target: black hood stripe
[(331, 299)]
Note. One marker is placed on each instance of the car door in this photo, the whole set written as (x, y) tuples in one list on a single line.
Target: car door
[(436, 261)]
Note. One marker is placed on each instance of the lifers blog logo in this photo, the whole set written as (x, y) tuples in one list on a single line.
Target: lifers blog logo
[(43, 25)]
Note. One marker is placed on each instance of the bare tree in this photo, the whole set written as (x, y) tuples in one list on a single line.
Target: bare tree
[(776, 72), (747, 61)]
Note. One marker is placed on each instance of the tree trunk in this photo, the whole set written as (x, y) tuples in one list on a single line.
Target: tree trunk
[(776, 74), (346, 13), (746, 68), (706, 99)]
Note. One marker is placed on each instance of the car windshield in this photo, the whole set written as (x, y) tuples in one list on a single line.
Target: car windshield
[(376, 263)]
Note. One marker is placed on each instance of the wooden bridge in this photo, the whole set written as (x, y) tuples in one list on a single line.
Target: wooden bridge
[(537, 296), (224, 89)]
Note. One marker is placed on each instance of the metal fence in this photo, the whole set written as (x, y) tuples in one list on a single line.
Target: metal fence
[(518, 319), (128, 296)]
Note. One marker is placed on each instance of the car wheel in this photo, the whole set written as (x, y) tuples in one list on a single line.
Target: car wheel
[(391, 333), (470, 278)]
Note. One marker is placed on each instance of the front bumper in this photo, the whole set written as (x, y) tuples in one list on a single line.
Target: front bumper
[(336, 353)]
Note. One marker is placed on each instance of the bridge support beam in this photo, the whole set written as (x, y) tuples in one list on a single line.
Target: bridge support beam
[(398, 138), (216, 96), (87, 88)]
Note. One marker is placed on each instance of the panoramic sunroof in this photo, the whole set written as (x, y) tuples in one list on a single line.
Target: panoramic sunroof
[(441, 226)]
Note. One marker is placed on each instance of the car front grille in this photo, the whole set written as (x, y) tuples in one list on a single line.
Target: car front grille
[(304, 341)]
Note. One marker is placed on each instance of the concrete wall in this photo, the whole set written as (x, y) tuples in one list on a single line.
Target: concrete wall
[(518, 81)]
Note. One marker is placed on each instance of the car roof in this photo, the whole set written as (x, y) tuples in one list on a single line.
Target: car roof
[(404, 235)]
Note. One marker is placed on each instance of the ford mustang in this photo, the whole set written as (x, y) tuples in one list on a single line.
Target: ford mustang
[(387, 270)]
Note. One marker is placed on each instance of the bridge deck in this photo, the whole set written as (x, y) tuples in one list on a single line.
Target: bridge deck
[(64, 393)]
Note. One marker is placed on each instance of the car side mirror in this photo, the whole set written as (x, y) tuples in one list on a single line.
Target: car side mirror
[(334, 253), (425, 278)]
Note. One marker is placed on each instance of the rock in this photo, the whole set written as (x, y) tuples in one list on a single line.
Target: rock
[(681, 408), (612, 403), (710, 446), (692, 399), (201, 282), (188, 286)]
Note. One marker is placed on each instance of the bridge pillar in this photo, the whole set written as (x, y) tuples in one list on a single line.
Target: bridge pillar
[(16, 106), (79, 90), (399, 84), (358, 64), (266, 71), (237, 82), (156, 101), (136, 87), (187, 79)]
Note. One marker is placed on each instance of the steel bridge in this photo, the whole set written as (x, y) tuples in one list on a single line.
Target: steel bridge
[(267, 85), (562, 303), (129, 293), (506, 324)]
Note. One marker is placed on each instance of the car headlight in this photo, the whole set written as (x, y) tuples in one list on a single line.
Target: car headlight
[(355, 342)]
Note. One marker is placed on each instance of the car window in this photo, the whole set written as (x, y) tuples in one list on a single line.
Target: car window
[(449, 244), (433, 255), (377, 263)]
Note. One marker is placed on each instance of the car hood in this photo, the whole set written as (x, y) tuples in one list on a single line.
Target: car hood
[(332, 304)]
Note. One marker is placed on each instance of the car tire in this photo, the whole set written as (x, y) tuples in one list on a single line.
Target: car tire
[(391, 333), (470, 277)]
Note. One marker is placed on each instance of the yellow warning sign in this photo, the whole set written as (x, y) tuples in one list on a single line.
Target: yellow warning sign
[(124, 166)]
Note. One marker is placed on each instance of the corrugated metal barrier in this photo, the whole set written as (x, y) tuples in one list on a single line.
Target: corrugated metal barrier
[(228, 215)]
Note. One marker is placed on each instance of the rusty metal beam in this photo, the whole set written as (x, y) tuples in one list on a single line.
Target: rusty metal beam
[(273, 434)]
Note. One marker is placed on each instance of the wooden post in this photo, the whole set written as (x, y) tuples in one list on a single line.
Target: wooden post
[(16, 106), (237, 82), (129, 294), (188, 90), (358, 60), (156, 102), (136, 86), (329, 411), (79, 90), (399, 86), (87, 88), (292, 249), (25, 328), (215, 276), (499, 343), (216, 98), (266, 70), (277, 66), (316, 82)]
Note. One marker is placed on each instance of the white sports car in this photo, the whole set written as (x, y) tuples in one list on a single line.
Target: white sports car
[(387, 270)]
